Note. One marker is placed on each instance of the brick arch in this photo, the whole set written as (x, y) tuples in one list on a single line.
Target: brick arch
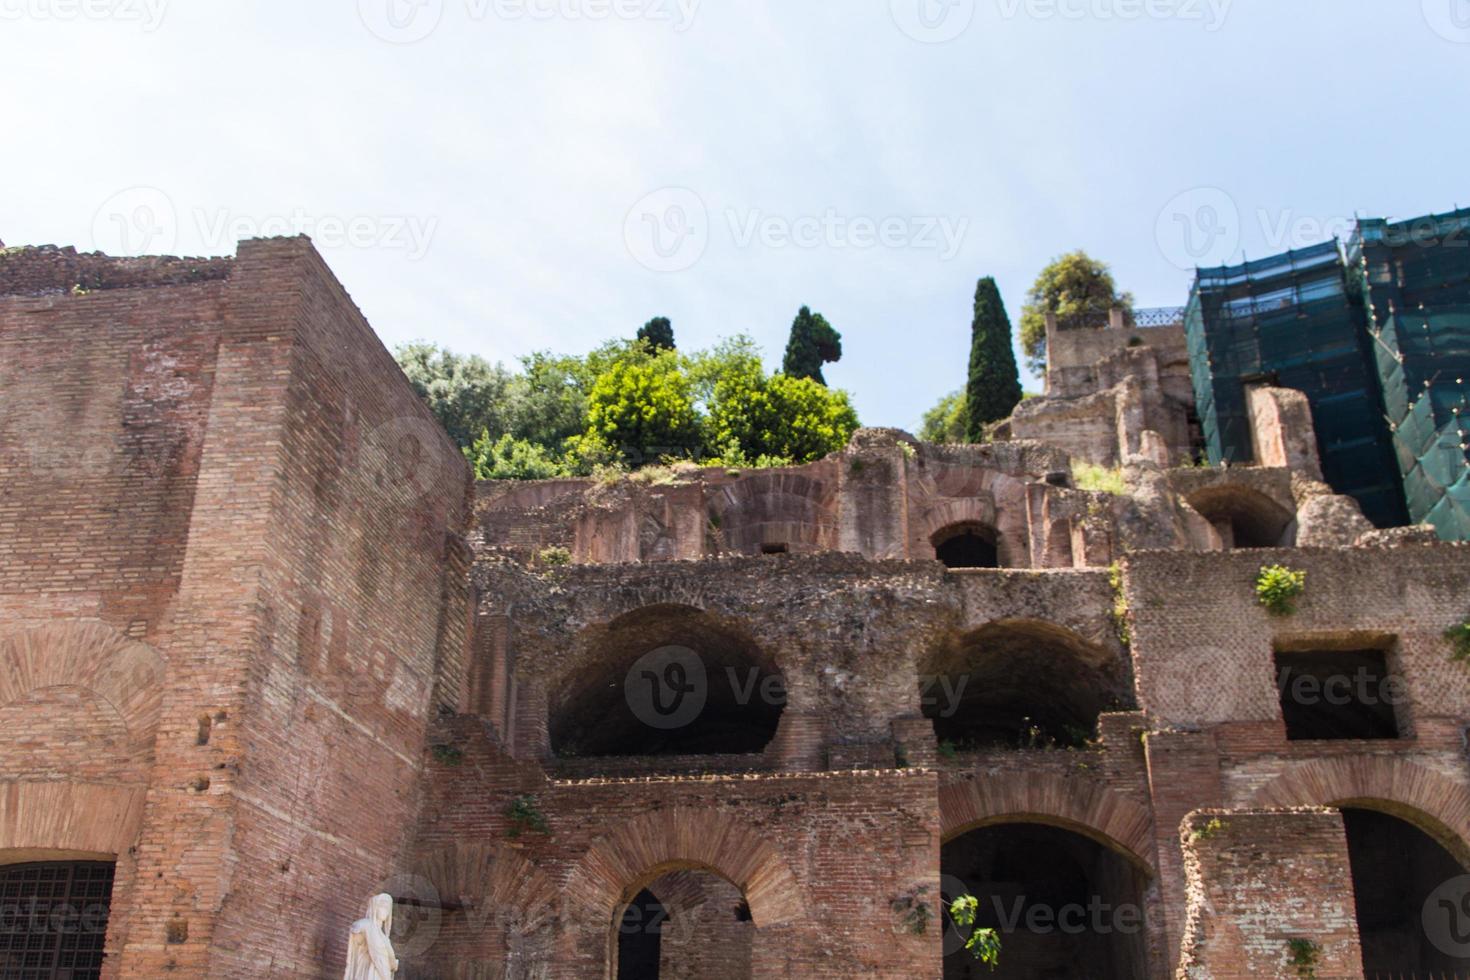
[(41, 820), (1079, 805), (775, 507), (1434, 803), (618, 866), (123, 674), (485, 876)]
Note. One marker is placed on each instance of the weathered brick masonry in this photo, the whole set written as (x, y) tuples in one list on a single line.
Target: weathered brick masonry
[(265, 649)]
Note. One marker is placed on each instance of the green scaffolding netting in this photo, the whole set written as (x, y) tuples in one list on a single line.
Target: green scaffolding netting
[(1413, 281), (1290, 320)]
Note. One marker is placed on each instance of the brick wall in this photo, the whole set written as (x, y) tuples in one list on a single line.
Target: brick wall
[(1269, 896), (219, 468)]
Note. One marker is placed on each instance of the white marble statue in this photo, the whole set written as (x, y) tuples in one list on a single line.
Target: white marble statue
[(369, 951)]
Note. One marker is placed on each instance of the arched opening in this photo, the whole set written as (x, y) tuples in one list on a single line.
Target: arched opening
[(685, 924), (1021, 685), (966, 545), (53, 919), (640, 937), (1062, 904), (1244, 518), (1411, 896), (669, 680)]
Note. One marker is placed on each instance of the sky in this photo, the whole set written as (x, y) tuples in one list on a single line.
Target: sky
[(503, 176)]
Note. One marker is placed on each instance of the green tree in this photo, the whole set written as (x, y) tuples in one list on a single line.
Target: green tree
[(643, 406), (467, 394), (994, 387), (509, 458), (658, 332), (1079, 290), (813, 343), (755, 418), (945, 422), (549, 399)]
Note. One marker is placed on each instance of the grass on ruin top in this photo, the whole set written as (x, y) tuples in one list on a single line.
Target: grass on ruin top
[(1099, 479)]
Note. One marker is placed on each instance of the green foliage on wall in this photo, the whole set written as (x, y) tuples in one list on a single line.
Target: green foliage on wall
[(1278, 588)]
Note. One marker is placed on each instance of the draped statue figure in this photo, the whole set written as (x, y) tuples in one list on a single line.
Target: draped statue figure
[(370, 953)]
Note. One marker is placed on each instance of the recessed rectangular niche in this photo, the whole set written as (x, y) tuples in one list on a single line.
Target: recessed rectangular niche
[(774, 549), (1336, 695)]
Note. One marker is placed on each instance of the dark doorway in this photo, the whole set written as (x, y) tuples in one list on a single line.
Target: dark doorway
[(1064, 905), (1398, 871), (640, 938), (966, 546), (689, 924), (53, 919), (1336, 694)]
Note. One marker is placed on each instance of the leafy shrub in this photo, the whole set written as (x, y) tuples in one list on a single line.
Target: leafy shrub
[(554, 556), (1278, 588), (509, 458)]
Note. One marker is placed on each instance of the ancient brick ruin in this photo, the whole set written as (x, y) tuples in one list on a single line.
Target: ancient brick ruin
[(266, 649)]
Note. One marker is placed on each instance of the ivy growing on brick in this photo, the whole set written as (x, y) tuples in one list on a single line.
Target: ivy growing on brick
[(1459, 637)]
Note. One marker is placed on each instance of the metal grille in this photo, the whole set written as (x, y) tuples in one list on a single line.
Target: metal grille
[(53, 919), (1159, 316)]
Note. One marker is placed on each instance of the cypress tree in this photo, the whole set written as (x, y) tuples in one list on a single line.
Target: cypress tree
[(813, 343), (994, 387), (659, 333)]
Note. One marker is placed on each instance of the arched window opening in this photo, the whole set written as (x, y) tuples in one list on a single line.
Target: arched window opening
[(640, 937), (53, 919), (667, 681), (1244, 518), (1411, 914), (966, 546), (1063, 904), (1021, 685), (688, 923)]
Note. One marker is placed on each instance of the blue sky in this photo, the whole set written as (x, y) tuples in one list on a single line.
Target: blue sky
[(491, 174)]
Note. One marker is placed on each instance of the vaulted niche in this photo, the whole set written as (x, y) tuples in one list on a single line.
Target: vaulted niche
[(669, 680), (1244, 518), (966, 545), (1021, 684)]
